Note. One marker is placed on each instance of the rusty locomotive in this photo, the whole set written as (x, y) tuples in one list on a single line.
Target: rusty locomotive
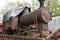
[(23, 22)]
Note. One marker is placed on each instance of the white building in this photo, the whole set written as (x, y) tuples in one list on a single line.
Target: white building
[(54, 24)]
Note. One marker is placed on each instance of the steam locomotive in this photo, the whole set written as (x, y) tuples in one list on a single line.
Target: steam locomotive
[(23, 22)]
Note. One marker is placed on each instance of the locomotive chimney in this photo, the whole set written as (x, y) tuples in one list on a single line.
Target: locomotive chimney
[(41, 3)]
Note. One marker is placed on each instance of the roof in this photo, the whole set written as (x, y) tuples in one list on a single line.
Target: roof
[(13, 13)]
